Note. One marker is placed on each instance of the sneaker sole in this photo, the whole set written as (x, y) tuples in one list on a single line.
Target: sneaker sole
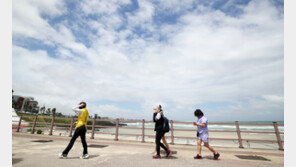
[(217, 157), (62, 157), (156, 158)]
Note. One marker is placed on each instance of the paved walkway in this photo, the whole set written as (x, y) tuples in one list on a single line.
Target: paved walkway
[(27, 153)]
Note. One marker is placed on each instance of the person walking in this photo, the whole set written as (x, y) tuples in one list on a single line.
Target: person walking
[(158, 118), (202, 134), (80, 130)]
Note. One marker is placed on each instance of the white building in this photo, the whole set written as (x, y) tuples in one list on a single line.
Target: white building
[(22, 104)]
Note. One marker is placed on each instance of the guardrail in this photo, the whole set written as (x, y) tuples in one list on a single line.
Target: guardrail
[(143, 135)]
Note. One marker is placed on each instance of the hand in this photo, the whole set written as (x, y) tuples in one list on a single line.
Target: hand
[(194, 123)]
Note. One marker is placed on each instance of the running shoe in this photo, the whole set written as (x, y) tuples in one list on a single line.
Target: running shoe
[(198, 157), (168, 153), (61, 155), (216, 156), (84, 156), (157, 157)]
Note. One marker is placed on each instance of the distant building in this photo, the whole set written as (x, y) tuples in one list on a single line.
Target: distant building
[(24, 104)]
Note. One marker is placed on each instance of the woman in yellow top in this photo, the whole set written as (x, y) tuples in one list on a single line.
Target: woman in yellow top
[(80, 130)]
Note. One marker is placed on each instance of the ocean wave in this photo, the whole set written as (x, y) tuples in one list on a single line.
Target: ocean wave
[(215, 127)]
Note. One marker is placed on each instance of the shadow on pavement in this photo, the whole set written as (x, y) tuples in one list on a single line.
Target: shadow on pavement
[(90, 157), (171, 157), (16, 160), (93, 156), (210, 158)]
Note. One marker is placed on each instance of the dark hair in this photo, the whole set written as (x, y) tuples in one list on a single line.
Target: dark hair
[(198, 113), (83, 103), (160, 108)]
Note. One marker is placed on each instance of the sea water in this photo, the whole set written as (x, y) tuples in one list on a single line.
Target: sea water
[(264, 128)]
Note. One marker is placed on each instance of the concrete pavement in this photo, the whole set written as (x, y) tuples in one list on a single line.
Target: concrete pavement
[(27, 152)]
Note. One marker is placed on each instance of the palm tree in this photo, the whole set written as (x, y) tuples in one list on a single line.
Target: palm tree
[(53, 111), (42, 109), (48, 111)]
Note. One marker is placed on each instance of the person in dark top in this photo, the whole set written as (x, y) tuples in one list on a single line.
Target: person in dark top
[(159, 121)]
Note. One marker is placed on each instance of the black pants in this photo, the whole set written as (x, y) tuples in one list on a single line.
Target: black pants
[(159, 135), (81, 131)]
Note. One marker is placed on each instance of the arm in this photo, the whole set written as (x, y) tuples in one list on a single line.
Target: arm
[(201, 125), (77, 110), (154, 114), (157, 117)]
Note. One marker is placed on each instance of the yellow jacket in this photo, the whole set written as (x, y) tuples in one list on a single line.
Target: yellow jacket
[(82, 118)]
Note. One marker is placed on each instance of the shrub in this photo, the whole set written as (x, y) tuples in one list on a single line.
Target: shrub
[(39, 131)]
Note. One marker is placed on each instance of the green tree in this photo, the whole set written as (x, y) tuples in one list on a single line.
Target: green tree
[(42, 109), (53, 111), (48, 111)]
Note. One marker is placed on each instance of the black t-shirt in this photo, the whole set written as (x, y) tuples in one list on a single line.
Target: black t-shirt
[(158, 123)]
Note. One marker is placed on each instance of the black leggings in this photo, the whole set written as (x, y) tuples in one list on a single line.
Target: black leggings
[(81, 131), (159, 135)]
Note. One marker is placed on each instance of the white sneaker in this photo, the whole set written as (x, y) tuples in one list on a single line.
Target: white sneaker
[(85, 156), (61, 155)]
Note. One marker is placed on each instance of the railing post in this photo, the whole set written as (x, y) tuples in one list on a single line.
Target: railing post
[(117, 126), (278, 136), (19, 124), (172, 132), (239, 135), (34, 124), (71, 127), (143, 131), (51, 126), (93, 128)]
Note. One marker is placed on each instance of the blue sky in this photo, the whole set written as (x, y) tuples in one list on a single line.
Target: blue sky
[(225, 57)]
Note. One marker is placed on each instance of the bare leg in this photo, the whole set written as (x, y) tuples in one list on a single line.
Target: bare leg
[(199, 147), (165, 142), (209, 147)]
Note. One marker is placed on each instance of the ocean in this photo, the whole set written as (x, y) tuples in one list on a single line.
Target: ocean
[(265, 128)]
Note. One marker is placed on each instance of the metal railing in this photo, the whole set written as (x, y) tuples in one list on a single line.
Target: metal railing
[(117, 126)]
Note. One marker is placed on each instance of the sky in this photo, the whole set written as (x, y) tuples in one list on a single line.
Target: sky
[(225, 57)]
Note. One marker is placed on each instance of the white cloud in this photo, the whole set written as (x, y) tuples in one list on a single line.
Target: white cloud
[(28, 23), (51, 8), (175, 6), (113, 111), (102, 7), (143, 17), (207, 57), (274, 98)]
